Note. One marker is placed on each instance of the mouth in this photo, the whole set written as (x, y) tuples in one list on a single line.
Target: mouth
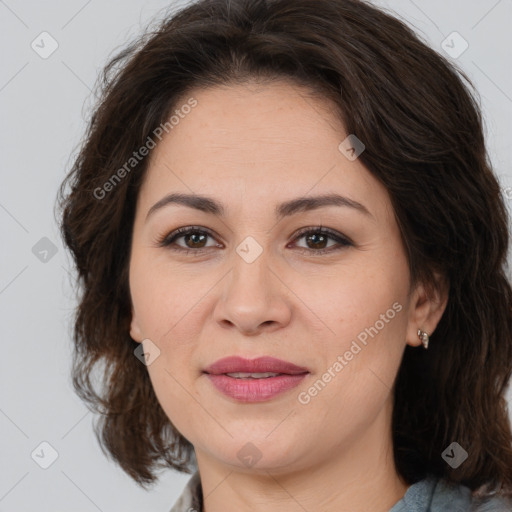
[(254, 380), (247, 375)]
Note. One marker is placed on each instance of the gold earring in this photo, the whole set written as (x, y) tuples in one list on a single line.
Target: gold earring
[(423, 336)]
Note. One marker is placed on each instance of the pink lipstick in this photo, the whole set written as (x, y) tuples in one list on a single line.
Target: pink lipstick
[(254, 380)]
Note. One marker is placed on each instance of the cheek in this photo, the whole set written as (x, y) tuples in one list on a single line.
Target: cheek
[(174, 395), (170, 312), (173, 379), (368, 299), (164, 298), (366, 312), (360, 364)]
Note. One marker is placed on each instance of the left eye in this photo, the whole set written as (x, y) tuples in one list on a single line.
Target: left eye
[(195, 239), (319, 237)]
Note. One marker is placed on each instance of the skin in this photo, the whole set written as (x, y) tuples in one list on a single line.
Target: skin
[(252, 147)]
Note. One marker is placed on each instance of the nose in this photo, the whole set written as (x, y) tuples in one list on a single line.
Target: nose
[(254, 298)]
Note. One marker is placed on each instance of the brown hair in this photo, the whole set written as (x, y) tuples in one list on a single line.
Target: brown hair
[(422, 129)]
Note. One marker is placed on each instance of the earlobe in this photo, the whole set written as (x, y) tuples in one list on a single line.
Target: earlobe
[(135, 330), (426, 311)]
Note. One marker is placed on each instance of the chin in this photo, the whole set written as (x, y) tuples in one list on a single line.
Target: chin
[(256, 451)]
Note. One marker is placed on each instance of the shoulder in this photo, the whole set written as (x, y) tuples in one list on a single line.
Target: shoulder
[(491, 504), (437, 495), (459, 498)]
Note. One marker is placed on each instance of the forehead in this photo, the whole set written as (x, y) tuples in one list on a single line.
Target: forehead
[(261, 141)]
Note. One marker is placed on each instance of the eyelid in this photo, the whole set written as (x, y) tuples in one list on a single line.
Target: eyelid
[(323, 230), (168, 238)]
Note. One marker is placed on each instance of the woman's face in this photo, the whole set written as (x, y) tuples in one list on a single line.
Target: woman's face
[(256, 279)]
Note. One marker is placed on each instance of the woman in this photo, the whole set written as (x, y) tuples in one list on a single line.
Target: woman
[(291, 250)]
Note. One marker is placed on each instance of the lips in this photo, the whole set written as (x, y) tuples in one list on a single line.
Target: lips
[(254, 380), (236, 364)]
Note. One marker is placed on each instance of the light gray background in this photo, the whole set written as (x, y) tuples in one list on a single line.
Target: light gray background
[(43, 104)]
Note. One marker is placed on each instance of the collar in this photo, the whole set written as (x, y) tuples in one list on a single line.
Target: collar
[(191, 499)]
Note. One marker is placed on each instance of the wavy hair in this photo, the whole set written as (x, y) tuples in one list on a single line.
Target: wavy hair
[(421, 123)]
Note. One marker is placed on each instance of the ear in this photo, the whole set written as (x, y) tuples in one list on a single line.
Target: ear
[(425, 310), (135, 330)]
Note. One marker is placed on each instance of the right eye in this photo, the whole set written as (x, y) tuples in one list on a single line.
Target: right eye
[(194, 237)]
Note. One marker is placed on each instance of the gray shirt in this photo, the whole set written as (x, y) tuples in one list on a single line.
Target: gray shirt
[(429, 495)]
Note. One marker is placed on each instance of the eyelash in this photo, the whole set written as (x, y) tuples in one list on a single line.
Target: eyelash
[(168, 240)]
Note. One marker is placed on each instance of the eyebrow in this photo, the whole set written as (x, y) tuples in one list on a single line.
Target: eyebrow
[(288, 208)]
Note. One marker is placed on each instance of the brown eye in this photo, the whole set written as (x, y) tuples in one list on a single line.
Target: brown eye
[(317, 240), (194, 240)]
